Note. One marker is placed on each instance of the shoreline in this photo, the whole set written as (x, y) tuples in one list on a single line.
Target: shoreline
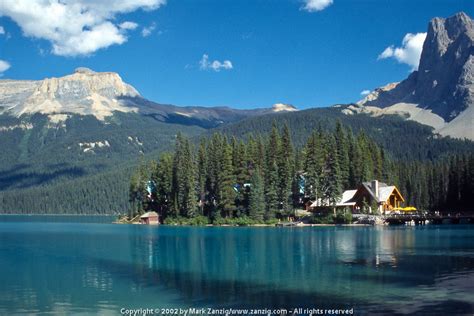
[(255, 225), (9, 214)]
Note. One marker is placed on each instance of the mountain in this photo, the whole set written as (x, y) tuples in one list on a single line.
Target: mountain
[(441, 92), (85, 92), (100, 94)]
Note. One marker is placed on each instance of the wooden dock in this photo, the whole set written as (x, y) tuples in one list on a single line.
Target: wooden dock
[(416, 219)]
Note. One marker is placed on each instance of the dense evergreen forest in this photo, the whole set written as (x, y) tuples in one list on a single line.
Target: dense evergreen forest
[(264, 177), (402, 139), (103, 193)]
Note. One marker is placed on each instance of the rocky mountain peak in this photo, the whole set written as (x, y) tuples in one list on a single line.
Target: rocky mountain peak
[(444, 82), (85, 81), (84, 70), (84, 92), (451, 35)]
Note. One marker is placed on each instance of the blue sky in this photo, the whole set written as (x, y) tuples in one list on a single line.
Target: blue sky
[(307, 53)]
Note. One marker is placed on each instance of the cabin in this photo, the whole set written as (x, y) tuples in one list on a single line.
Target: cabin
[(387, 198), (150, 218), (345, 202)]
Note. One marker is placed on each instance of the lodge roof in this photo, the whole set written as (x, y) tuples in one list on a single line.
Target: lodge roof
[(343, 201), (149, 214), (384, 191), (346, 198)]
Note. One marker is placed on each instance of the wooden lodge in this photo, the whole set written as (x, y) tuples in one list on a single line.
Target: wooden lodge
[(385, 197), (371, 194), (150, 218)]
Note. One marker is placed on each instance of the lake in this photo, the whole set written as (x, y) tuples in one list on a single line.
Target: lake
[(85, 265)]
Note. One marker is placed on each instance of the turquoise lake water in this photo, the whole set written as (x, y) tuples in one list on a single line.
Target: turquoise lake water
[(76, 265)]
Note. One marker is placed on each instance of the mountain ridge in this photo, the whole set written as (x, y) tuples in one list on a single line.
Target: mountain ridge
[(86, 92)]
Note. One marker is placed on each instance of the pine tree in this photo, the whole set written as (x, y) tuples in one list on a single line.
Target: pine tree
[(297, 180), (271, 193), (226, 184), (260, 153), (332, 182), (177, 178), (202, 175), (242, 176), (365, 158), (342, 148), (214, 153), (313, 156), (163, 180), (189, 203), (137, 190), (285, 172), (256, 198), (183, 190), (271, 173)]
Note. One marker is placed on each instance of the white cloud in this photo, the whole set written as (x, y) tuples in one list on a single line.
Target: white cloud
[(127, 25), (4, 66), (146, 31), (364, 92), (2, 30), (205, 64), (74, 27), (316, 5), (410, 51)]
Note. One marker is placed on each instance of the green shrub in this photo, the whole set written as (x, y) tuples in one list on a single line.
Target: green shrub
[(271, 221), (348, 217), (193, 221), (343, 218), (170, 221), (197, 221), (322, 219), (220, 221), (244, 221)]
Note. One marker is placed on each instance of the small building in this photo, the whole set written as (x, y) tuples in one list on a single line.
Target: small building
[(387, 198), (150, 218), (345, 202)]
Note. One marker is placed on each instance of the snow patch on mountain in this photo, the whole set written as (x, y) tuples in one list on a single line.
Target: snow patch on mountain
[(23, 126), (89, 147), (281, 107)]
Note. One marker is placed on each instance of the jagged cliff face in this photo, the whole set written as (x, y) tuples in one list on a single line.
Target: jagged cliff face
[(445, 78), (444, 83), (84, 92)]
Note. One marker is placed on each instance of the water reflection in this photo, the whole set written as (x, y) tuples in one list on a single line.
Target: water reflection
[(101, 268)]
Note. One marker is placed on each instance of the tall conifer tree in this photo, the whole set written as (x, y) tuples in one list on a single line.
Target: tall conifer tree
[(256, 198)]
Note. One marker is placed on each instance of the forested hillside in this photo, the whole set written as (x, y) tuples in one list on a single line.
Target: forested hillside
[(104, 193), (46, 170), (266, 176), (401, 139), (80, 165), (37, 151)]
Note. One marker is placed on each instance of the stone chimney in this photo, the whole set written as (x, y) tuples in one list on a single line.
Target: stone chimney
[(375, 187)]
